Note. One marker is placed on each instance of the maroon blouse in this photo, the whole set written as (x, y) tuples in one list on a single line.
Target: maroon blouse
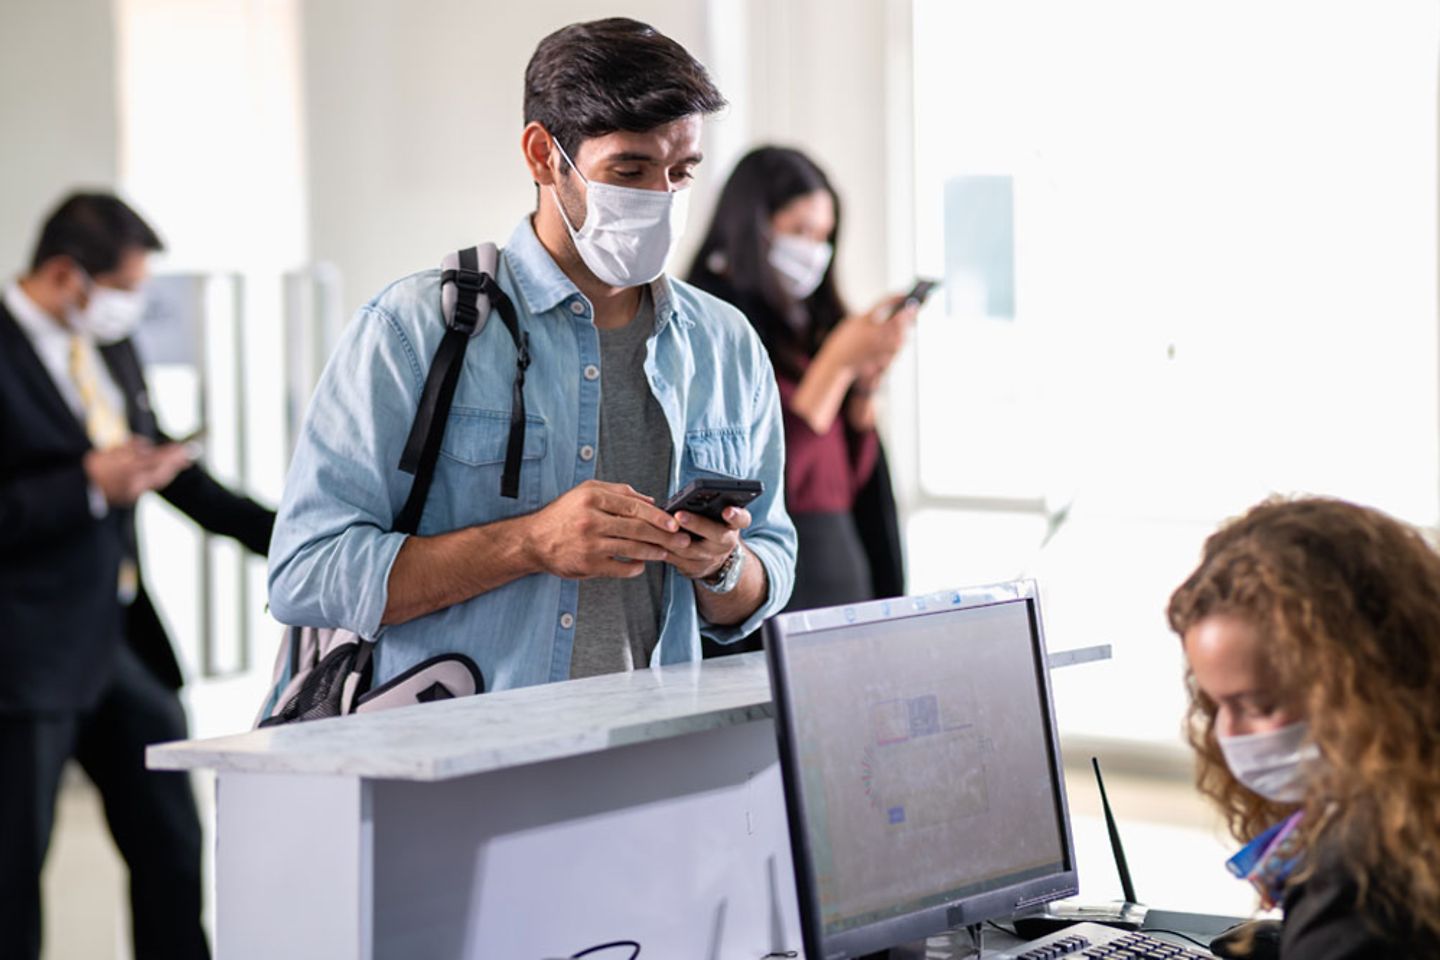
[(823, 471)]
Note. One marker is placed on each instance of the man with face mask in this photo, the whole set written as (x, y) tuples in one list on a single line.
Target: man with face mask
[(637, 384), (86, 670)]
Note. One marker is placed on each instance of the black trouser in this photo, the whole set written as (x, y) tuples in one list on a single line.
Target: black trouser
[(152, 816)]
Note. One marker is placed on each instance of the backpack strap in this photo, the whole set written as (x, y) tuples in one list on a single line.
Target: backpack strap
[(475, 292)]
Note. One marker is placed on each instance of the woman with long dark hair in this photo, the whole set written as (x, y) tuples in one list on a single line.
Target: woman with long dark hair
[(769, 251), (1311, 632)]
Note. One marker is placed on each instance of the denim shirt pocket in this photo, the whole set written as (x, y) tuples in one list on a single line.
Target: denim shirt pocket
[(723, 453), (472, 460)]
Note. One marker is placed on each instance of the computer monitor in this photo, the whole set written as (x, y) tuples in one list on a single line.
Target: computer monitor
[(921, 766)]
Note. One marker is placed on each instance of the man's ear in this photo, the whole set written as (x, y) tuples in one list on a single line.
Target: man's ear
[(537, 146), (62, 272)]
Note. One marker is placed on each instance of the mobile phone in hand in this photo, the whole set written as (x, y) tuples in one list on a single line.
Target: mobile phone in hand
[(192, 442), (917, 294), (709, 497), (920, 292)]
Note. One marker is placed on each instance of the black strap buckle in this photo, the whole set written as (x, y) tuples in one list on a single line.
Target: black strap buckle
[(469, 284)]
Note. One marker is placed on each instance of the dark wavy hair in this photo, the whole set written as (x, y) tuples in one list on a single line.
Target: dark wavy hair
[(1348, 601), (734, 252), (590, 79)]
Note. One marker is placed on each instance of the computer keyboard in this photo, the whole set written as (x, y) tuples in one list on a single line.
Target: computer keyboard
[(1092, 940)]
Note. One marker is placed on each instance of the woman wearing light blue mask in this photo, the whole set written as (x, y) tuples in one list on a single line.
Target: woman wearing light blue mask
[(1311, 630)]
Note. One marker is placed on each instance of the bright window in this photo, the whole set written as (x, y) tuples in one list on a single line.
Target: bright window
[(1223, 257)]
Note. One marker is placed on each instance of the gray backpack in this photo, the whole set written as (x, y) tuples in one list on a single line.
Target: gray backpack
[(326, 672)]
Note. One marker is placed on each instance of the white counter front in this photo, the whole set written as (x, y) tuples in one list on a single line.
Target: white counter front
[(521, 825)]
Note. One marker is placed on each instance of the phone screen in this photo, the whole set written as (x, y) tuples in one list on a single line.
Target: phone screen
[(921, 291)]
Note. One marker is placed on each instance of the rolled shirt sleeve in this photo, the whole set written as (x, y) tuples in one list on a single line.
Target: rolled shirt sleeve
[(771, 536)]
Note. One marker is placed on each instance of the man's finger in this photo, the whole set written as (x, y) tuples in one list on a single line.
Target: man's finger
[(738, 518), (639, 510), (702, 526), (628, 528), (616, 570), (632, 549), (620, 490)]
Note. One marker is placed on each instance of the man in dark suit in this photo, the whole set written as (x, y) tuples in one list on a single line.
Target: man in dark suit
[(86, 670)]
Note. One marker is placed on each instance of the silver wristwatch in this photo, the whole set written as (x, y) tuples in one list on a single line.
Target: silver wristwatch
[(728, 576)]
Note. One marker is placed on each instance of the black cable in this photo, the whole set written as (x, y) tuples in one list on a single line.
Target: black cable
[(1010, 933), (1177, 933), (608, 946), (784, 954)]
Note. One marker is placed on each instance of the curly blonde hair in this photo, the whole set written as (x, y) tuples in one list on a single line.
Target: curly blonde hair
[(1348, 601)]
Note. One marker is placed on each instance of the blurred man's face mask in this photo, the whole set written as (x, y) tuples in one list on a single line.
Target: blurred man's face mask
[(628, 234), (109, 315)]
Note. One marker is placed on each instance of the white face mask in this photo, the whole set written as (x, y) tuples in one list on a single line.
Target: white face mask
[(111, 315), (799, 263), (1275, 764), (628, 233)]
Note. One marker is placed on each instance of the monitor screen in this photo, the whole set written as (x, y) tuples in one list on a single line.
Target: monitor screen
[(921, 765)]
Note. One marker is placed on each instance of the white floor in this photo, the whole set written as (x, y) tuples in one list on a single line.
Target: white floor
[(86, 899), (1174, 844)]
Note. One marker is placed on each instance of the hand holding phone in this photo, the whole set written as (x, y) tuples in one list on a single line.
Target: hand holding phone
[(192, 442), (710, 497), (704, 503), (921, 291), (915, 297)]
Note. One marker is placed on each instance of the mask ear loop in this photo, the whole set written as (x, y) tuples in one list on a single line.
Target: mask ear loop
[(87, 280), (573, 166), (555, 191)]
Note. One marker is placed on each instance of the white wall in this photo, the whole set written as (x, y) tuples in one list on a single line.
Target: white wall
[(816, 79), (57, 105), (414, 119)]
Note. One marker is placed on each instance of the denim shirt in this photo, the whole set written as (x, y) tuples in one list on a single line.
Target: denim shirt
[(333, 546)]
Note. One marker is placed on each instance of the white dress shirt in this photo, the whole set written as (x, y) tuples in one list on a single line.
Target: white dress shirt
[(52, 342)]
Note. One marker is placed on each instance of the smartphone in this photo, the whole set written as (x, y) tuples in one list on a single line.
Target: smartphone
[(920, 292), (708, 497), (918, 295), (192, 442)]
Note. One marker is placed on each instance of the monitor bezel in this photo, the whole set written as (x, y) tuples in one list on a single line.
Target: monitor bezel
[(1002, 902)]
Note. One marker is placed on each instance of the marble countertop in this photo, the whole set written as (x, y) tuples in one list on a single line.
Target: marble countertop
[(456, 738)]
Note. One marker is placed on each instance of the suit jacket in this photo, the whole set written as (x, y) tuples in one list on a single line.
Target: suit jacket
[(60, 619)]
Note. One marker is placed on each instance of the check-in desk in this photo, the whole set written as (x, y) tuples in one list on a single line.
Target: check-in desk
[(519, 825)]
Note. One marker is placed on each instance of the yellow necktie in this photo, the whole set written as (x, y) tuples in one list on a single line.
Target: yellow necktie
[(104, 424), (106, 428)]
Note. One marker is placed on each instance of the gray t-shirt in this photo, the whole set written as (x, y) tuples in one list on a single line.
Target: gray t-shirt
[(617, 622)]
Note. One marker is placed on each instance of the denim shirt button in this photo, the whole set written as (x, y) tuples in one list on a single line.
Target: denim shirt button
[(566, 621), (587, 453), (576, 307), (592, 372)]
